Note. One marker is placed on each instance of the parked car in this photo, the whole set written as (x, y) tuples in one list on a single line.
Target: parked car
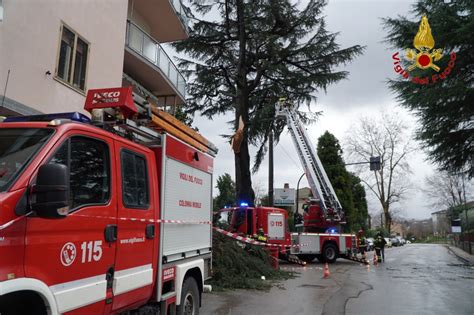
[(370, 244), (395, 241), (403, 241), (389, 243), (400, 240)]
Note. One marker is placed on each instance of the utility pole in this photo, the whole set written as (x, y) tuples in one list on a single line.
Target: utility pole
[(270, 167)]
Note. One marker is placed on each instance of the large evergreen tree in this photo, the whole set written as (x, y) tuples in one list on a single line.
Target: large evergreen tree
[(244, 55), (348, 189), (445, 108), (360, 204)]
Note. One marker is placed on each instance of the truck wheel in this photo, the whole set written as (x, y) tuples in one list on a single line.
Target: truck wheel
[(189, 298), (307, 258), (24, 303), (330, 253)]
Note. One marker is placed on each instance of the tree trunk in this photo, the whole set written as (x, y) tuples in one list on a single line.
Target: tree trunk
[(243, 180), (388, 219)]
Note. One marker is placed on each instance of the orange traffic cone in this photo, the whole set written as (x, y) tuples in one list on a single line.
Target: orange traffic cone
[(375, 259), (326, 273)]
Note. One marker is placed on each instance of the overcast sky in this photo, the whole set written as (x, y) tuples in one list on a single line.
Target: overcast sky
[(364, 92)]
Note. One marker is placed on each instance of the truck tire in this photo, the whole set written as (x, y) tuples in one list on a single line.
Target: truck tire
[(307, 258), (330, 253), (189, 298), (24, 303)]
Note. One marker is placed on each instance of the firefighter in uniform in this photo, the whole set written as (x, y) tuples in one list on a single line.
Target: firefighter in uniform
[(260, 236), (379, 244)]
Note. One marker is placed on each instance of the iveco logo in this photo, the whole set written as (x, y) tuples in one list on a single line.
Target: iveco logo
[(106, 97)]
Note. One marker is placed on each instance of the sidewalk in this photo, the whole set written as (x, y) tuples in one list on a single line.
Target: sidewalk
[(468, 258)]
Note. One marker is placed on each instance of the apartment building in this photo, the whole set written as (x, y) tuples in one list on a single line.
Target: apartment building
[(53, 51)]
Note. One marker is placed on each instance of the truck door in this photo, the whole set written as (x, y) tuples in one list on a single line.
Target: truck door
[(276, 226), (72, 255), (137, 205)]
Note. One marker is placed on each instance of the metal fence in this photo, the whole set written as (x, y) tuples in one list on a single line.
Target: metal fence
[(465, 239)]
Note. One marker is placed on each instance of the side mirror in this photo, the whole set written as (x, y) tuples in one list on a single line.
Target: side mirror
[(50, 195)]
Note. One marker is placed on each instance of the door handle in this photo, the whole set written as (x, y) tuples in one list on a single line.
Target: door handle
[(110, 233), (150, 231)]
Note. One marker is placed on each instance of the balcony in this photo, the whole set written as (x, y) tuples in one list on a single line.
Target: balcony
[(146, 62), (178, 7), (166, 20)]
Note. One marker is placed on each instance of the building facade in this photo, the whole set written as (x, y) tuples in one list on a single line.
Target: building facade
[(441, 224), (52, 52)]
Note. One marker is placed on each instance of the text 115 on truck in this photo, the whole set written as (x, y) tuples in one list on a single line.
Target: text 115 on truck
[(104, 216)]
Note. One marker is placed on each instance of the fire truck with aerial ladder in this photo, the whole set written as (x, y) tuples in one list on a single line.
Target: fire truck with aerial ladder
[(104, 216), (322, 218)]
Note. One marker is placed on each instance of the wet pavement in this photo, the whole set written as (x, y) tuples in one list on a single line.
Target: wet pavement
[(415, 279)]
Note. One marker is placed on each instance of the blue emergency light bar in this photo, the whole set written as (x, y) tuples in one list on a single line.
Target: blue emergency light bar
[(244, 204), (331, 230), (74, 116)]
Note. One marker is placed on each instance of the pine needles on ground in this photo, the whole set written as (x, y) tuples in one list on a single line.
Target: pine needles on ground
[(241, 267)]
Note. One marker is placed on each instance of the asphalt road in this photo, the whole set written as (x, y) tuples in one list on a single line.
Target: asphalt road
[(415, 279)]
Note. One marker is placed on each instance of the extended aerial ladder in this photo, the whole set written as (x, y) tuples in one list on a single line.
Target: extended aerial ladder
[(318, 180)]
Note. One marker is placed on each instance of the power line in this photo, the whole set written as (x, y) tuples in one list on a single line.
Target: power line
[(287, 154)]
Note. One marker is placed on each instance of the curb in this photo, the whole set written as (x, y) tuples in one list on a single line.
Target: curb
[(465, 260)]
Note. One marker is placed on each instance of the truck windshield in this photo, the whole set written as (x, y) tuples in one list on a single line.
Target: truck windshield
[(17, 147)]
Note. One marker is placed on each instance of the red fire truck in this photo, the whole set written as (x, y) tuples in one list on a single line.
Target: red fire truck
[(104, 216), (273, 224)]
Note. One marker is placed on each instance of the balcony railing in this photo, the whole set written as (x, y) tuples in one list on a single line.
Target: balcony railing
[(178, 7), (144, 45)]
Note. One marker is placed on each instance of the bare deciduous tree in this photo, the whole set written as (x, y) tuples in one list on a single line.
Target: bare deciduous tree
[(385, 136), (447, 190), (260, 192)]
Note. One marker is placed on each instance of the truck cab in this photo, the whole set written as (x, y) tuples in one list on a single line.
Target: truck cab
[(88, 220)]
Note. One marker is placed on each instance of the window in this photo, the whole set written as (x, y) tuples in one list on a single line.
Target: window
[(18, 146), (72, 62), (134, 180), (89, 169)]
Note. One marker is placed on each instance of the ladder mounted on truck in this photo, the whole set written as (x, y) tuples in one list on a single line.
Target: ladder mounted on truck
[(318, 180), (120, 110)]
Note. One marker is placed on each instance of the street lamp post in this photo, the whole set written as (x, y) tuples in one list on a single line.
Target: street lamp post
[(298, 191)]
